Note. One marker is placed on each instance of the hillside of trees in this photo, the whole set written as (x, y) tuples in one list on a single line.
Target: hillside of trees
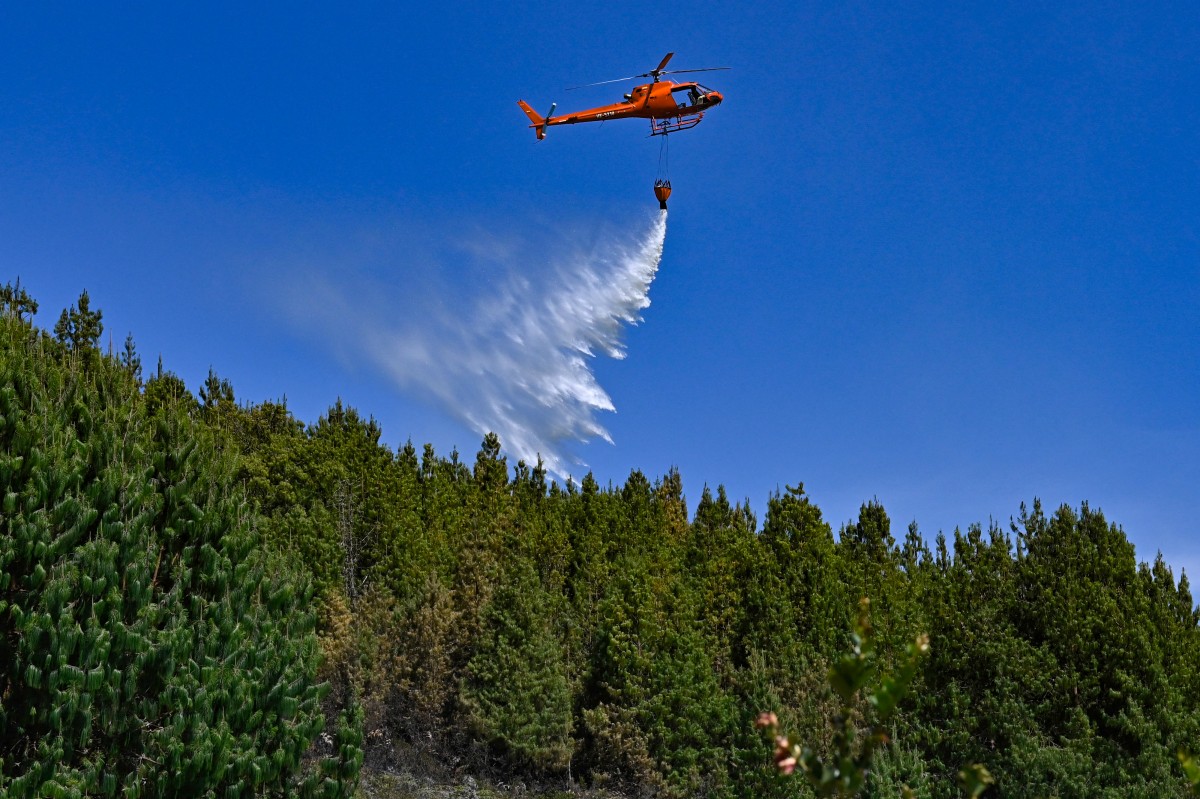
[(201, 596)]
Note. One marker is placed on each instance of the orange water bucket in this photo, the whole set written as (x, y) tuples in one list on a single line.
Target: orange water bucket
[(662, 190)]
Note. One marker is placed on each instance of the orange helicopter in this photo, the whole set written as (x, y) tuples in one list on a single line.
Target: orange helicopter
[(669, 106)]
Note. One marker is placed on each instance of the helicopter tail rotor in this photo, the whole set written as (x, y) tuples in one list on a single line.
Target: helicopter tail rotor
[(539, 122)]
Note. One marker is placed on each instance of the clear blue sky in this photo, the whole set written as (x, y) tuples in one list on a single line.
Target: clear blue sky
[(942, 256)]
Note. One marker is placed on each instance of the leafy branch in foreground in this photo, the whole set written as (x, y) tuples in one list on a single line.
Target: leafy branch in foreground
[(1191, 770), (843, 773)]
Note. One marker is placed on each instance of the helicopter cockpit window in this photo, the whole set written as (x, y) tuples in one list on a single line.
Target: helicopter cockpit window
[(686, 96)]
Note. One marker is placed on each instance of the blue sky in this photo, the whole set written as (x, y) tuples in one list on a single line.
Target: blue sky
[(943, 256)]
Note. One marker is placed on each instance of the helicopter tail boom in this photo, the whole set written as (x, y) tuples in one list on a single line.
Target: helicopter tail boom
[(539, 122)]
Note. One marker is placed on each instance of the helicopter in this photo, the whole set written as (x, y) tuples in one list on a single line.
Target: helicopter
[(669, 106)]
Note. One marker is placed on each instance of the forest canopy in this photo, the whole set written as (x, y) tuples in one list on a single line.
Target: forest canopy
[(182, 572)]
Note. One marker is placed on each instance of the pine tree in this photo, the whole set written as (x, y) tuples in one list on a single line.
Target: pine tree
[(515, 691), (148, 643), (16, 302), (79, 327), (130, 360)]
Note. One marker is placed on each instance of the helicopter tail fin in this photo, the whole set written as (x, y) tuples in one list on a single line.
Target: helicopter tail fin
[(539, 122)]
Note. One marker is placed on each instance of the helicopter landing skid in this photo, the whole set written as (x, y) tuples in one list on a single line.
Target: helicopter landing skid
[(663, 127)]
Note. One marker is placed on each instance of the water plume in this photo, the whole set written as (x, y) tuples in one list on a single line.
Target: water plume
[(514, 356)]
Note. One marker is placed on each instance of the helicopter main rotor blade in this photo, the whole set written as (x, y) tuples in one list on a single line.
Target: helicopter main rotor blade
[(654, 73), (602, 82), (704, 69)]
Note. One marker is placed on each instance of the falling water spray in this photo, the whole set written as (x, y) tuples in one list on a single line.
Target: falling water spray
[(516, 358)]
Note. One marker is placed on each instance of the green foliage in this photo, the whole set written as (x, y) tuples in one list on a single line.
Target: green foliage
[(16, 302), (79, 327), (516, 695), (473, 614), (130, 360), (148, 644), (974, 780), (166, 395), (843, 772), (1191, 770)]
